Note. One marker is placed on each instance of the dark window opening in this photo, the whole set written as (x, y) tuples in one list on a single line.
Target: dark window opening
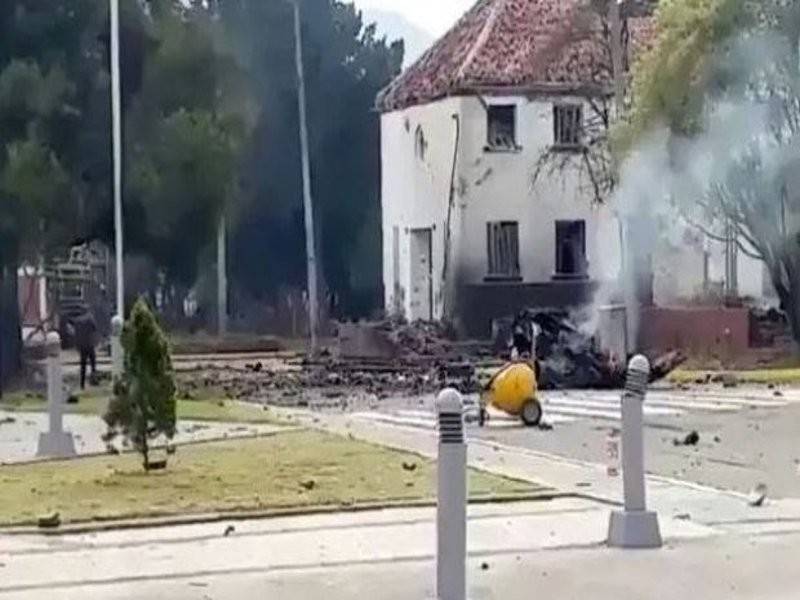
[(571, 249), (567, 125), (503, 249), (502, 127)]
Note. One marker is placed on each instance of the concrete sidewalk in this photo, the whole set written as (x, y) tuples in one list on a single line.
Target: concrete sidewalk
[(743, 570), (121, 558), (546, 549)]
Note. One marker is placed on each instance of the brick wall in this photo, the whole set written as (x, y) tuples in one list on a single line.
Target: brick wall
[(723, 331)]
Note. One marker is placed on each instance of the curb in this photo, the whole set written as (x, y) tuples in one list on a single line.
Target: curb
[(99, 526)]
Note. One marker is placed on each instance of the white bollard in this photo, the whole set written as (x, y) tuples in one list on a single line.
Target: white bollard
[(635, 527), (451, 518), (56, 442), (117, 355)]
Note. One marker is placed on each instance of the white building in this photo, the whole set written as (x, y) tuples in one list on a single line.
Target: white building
[(469, 230)]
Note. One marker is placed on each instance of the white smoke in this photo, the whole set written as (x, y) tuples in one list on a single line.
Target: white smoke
[(666, 180)]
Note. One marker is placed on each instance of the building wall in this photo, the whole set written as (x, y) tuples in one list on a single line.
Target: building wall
[(489, 186), (415, 192), (500, 186), (687, 266)]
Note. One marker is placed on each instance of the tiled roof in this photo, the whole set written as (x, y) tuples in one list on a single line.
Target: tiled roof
[(554, 45)]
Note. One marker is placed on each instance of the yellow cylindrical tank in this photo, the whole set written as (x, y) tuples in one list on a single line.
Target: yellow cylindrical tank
[(513, 390)]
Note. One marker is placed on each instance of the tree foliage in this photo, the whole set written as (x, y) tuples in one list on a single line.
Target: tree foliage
[(733, 126), (186, 130), (210, 127), (143, 406), (672, 79), (49, 76), (346, 64)]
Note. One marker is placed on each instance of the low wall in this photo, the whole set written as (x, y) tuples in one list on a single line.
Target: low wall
[(717, 330)]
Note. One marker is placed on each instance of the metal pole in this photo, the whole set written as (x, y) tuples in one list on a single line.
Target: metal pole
[(311, 254), (451, 506), (222, 278), (116, 118), (55, 442), (117, 358), (635, 527)]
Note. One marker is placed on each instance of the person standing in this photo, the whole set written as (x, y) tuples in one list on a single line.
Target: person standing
[(85, 328)]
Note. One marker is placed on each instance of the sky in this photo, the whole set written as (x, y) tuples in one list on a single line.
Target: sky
[(435, 16)]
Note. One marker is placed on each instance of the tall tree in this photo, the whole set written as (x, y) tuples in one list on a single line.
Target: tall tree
[(186, 128), (346, 64), (733, 126), (50, 70)]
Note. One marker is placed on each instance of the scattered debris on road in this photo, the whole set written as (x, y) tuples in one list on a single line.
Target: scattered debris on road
[(691, 439), (409, 466), (758, 495), (51, 521), (229, 530)]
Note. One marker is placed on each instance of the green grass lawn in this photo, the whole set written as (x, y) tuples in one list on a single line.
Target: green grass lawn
[(244, 475), (94, 402), (762, 376)]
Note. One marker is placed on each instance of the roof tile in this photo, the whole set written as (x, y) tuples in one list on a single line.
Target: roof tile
[(498, 44)]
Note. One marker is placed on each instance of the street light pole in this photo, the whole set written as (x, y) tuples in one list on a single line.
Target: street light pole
[(311, 254), (116, 119), (222, 277)]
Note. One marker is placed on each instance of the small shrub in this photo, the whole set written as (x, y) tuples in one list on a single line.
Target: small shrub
[(143, 406)]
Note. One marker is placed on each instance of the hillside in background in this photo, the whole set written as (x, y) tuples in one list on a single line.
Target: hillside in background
[(394, 26)]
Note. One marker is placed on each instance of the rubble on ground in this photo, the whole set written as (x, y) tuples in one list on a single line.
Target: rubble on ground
[(569, 357), (757, 495), (691, 439), (395, 358)]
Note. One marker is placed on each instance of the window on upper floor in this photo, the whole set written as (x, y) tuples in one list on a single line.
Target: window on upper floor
[(567, 126), (502, 240), (502, 127), (571, 249)]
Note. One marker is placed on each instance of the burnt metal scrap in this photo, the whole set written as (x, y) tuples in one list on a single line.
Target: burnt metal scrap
[(570, 358)]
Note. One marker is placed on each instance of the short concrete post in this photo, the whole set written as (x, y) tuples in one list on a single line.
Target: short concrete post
[(635, 527), (56, 442), (117, 355), (451, 519)]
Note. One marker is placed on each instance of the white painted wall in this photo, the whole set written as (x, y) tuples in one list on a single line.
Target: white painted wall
[(490, 186), (679, 270), (415, 191), (500, 186)]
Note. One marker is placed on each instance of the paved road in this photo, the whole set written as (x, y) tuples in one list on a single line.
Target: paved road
[(747, 435)]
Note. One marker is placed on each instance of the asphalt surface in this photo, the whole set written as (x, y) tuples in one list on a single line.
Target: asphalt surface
[(747, 435)]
